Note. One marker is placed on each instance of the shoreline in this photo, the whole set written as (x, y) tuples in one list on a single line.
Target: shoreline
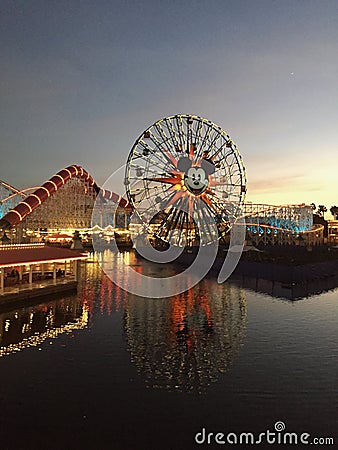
[(289, 266), (270, 267), (28, 296)]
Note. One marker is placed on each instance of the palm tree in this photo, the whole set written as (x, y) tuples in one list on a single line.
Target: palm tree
[(334, 212), (321, 210)]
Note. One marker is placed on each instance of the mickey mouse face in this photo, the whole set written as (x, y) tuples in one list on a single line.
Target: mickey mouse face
[(195, 178)]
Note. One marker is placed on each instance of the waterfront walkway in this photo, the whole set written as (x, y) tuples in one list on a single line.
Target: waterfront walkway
[(42, 284)]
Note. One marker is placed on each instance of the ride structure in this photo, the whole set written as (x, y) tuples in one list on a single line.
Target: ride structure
[(62, 204), (281, 225), (185, 183), (10, 197), (185, 177)]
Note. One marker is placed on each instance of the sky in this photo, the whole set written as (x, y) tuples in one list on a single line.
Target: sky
[(80, 80)]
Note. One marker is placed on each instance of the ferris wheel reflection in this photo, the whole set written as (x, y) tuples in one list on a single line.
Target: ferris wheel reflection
[(186, 342)]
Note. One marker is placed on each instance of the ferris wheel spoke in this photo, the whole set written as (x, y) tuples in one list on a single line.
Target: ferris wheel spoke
[(141, 148), (172, 180), (177, 216), (160, 187), (165, 139), (209, 204), (175, 197), (151, 170), (203, 222), (214, 198), (169, 158), (154, 168), (183, 226), (159, 161), (218, 207), (161, 157), (197, 137), (181, 132), (168, 223), (182, 229), (212, 143), (155, 200), (149, 192), (205, 138), (162, 139), (219, 152), (172, 133), (156, 162), (189, 146)]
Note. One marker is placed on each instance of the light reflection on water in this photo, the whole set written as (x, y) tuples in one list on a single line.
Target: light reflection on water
[(186, 342), (31, 326), (182, 343), (127, 372)]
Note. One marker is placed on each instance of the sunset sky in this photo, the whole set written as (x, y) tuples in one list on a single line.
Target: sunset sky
[(80, 80)]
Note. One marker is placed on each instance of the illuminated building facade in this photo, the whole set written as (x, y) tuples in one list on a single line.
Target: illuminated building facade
[(333, 231), (27, 269)]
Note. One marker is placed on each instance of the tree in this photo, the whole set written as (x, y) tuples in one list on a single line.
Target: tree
[(313, 206), (321, 210), (334, 212)]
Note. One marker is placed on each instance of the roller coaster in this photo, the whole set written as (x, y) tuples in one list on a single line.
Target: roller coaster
[(175, 164)]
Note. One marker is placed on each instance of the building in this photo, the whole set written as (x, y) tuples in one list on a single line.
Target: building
[(333, 231), (35, 269)]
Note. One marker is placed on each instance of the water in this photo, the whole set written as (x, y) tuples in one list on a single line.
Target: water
[(107, 370)]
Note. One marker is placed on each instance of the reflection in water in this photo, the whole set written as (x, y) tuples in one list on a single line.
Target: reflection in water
[(183, 343), (30, 326), (85, 395), (187, 341), (288, 291)]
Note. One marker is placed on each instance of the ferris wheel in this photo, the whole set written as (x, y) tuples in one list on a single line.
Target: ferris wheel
[(183, 174)]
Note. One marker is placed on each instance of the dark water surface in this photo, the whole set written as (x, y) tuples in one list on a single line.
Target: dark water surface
[(108, 370)]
